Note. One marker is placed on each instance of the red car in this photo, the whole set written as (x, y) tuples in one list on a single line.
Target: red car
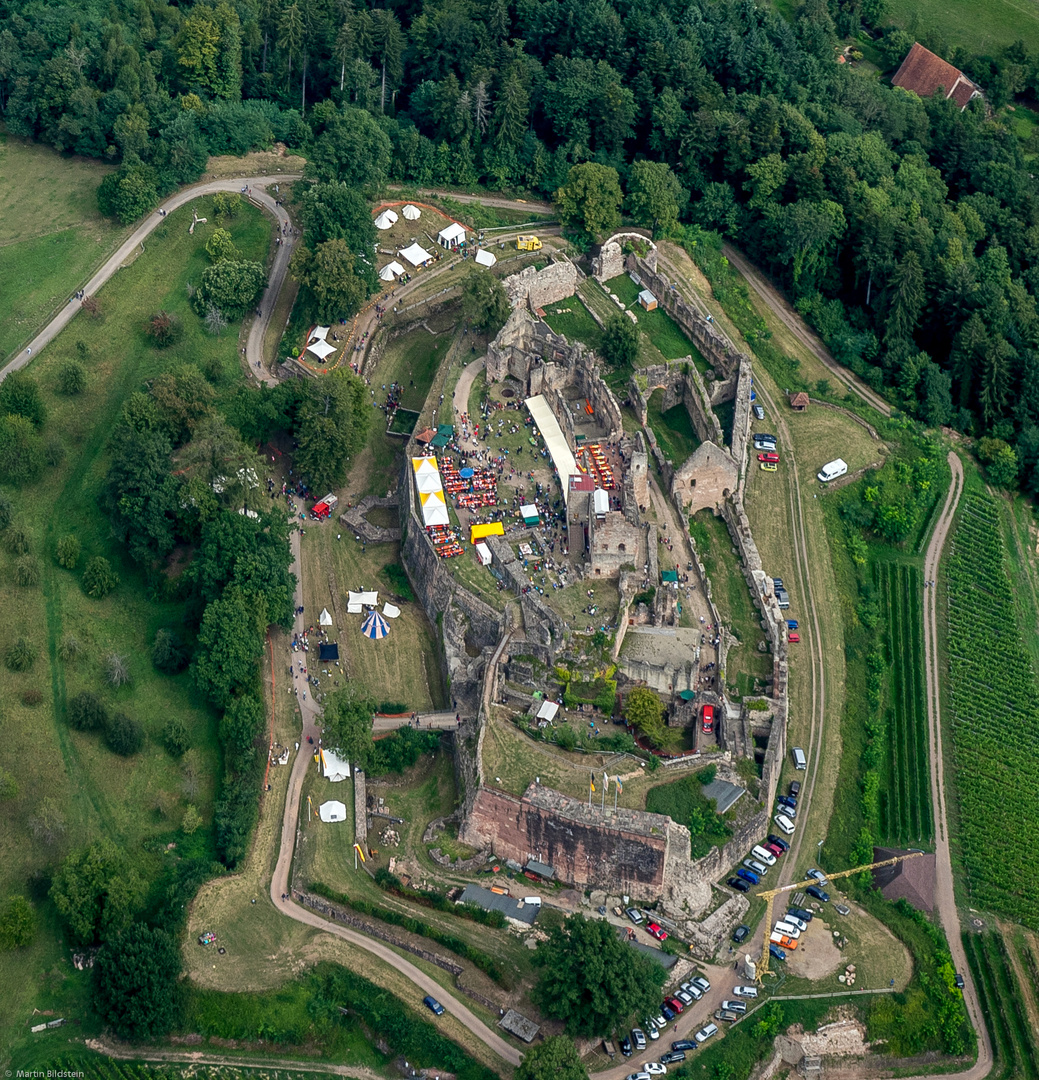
[(795, 638), (675, 1004), (775, 849), (657, 932), (770, 457), (708, 719)]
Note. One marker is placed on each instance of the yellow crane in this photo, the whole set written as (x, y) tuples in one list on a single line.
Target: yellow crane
[(770, 895)]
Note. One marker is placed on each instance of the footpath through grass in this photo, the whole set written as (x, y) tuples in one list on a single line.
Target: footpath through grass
[(51, 234), (65, 778)]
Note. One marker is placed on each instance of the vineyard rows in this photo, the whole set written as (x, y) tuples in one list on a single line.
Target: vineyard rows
[(1014, 1044), (994, 709), (906, 815), (92, 1067)]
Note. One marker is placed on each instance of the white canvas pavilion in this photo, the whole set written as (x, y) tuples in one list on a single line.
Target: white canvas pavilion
[(411, 213), (434, 509), (415, 255), (548, 710), (319, 333), (369, 599), (555, 440), (321, 349), (386, 219), (335, 768), (451, 234), (427, 475), (485, 257), (333, 810), (391, 270), (324, 619), (391, 611)]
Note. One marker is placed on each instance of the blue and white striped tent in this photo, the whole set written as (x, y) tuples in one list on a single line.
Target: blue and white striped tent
[(375, 626)]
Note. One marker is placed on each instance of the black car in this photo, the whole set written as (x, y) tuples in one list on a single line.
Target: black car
[(795, 788), (684, 1044), (672, 1057), (433, 1005), (625, 1045), (667, 1012), (786, 800), (778, 841), (814, 890), (740, 934), (958, 980), (800, 913), (738, 884)]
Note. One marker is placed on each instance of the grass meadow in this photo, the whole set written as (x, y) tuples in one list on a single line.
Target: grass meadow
[(69, 777), (51, 234), (977, 27)]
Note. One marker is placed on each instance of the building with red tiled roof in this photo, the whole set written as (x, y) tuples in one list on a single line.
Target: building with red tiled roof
[(926, 75)]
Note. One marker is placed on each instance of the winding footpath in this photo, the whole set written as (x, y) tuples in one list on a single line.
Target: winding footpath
[(945, 896)]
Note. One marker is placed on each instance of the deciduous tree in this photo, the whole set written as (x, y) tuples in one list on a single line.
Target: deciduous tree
[(484, 302), (135, 983), (348, 723), (589, 202), (620, 342), (554, 1059), (655, 196), (96, 892), (645, 711)]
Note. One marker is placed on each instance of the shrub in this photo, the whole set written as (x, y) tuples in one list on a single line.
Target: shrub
[(6, 511), (99, 579), (168, 654), (392, 708), (192, 820), (21, 450), (8, 785), (175, 737), (86, 712), (27, 571), (397, 576), (17, 924), (69, 648), (32, 697), (21, 655), (68, 552), (117, 670), (72, 378), (20, 395), (566, 738), (163, 328), (18, 540), (124, 735)]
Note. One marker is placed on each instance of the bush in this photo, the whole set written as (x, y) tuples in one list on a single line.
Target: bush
[(18, 540), (21, 655), (117, 670), (21, 450), (401, 750), (72, 378), (392, 708), (68, 552), (32, 697), (234, 817), (69, 648), (397, 576), (168, 654), (124, 735), (163, 328), (175, 737), (99, 579), (27, 571), (17, 924), (566, 737), (20, 396), (86, 712), (192, 820), (6, 511), (135, 983)]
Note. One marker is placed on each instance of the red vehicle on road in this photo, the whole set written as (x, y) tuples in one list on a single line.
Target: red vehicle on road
[(708, 719), (657, 932)]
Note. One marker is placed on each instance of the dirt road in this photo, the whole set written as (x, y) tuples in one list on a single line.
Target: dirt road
[(945, 897), (795, 324)]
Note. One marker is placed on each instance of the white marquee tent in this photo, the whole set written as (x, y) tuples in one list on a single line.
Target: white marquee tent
[(391, 270), (369, 599), (324, 618), (555, 440), (386, 219), (333, 810), (451, 234), (391, 611), (548, 710), (434, 509), (415, 255), (485, 257), (411, 213), (334, 768), (321, 349), (319, 333)]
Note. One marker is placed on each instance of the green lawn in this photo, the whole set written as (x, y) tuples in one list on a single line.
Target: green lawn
[(570, 317), (657, 325), (51, 234), (673, 429), (977, 27), (69, 774)]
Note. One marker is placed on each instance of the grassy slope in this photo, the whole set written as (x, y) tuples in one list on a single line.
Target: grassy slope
[(977, 27), (51, 234), (93, 790)]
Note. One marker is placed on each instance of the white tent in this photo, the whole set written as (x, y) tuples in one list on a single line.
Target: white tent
[(485, 257), (386, 219), (548, 710), (332, 811), (411, 213), (391, 270), (391, 611), (324, 618), (354, 609), (428, 482), (434, 509), (555, 440), (371, 599), (319, 333), (334, 768), (321, 349), (415, 255), (451, 234)]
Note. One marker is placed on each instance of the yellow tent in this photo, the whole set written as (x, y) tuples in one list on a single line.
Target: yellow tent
[(478, 532)]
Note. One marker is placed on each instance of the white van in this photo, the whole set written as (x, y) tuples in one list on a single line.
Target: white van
[(532, 901), (765, 856), (800, 761), (789, 929), (784, 823), (832, 469)]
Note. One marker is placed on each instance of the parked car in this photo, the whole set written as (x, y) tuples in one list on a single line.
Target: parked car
[(757, 866), (765, 856), (735, 1006), (738, 884), (740, 934), (791, 624), (701, 982), (784, 823), (672, 1057), (654, 1068), (775, 849), (777, 953), (683, 1044), (635, 915), (841, 909), (814, 890), (817, 874), (685, 997), (602, 910), (794, 789), (625, 1045), (802, 913), (769, 455), (660, 1021), (638, 1039), (708, 719), (657, 931), (778, 841), (706, 1032), (794, 638), (957, 980), (433, 1005), (638, 1076), (726, 1015), (675, 1004), (745, 991), (795, 920), (759, 413), (692, 990), (768, 466), (651, 1029), (748, 876), (667, 1012), (786, 800), (790, 811)]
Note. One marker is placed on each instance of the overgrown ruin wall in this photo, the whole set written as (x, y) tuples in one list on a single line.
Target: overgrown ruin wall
[(536, 288)]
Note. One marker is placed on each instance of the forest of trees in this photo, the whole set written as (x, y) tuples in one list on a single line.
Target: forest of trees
[(905, 231)]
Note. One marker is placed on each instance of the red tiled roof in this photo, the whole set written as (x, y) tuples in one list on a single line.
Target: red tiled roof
[(923, 73)]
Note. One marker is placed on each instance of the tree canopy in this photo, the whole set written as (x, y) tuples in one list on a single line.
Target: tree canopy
[(484, 303), (554, 1059), (645, 711), (332, 423), (591, 980), (135, 983), (348, 723), (96, 892)]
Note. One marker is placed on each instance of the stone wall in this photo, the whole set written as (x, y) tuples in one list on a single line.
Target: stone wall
[(624, 851), (705, 479), (544, 626), (360, 808), (536, 288), (608, 261)]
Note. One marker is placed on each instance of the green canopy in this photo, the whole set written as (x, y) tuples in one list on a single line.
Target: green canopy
[(687, 695), (669, 575)]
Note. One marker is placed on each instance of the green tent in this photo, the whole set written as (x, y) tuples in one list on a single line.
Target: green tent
[(669, 575), (687, 695)]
